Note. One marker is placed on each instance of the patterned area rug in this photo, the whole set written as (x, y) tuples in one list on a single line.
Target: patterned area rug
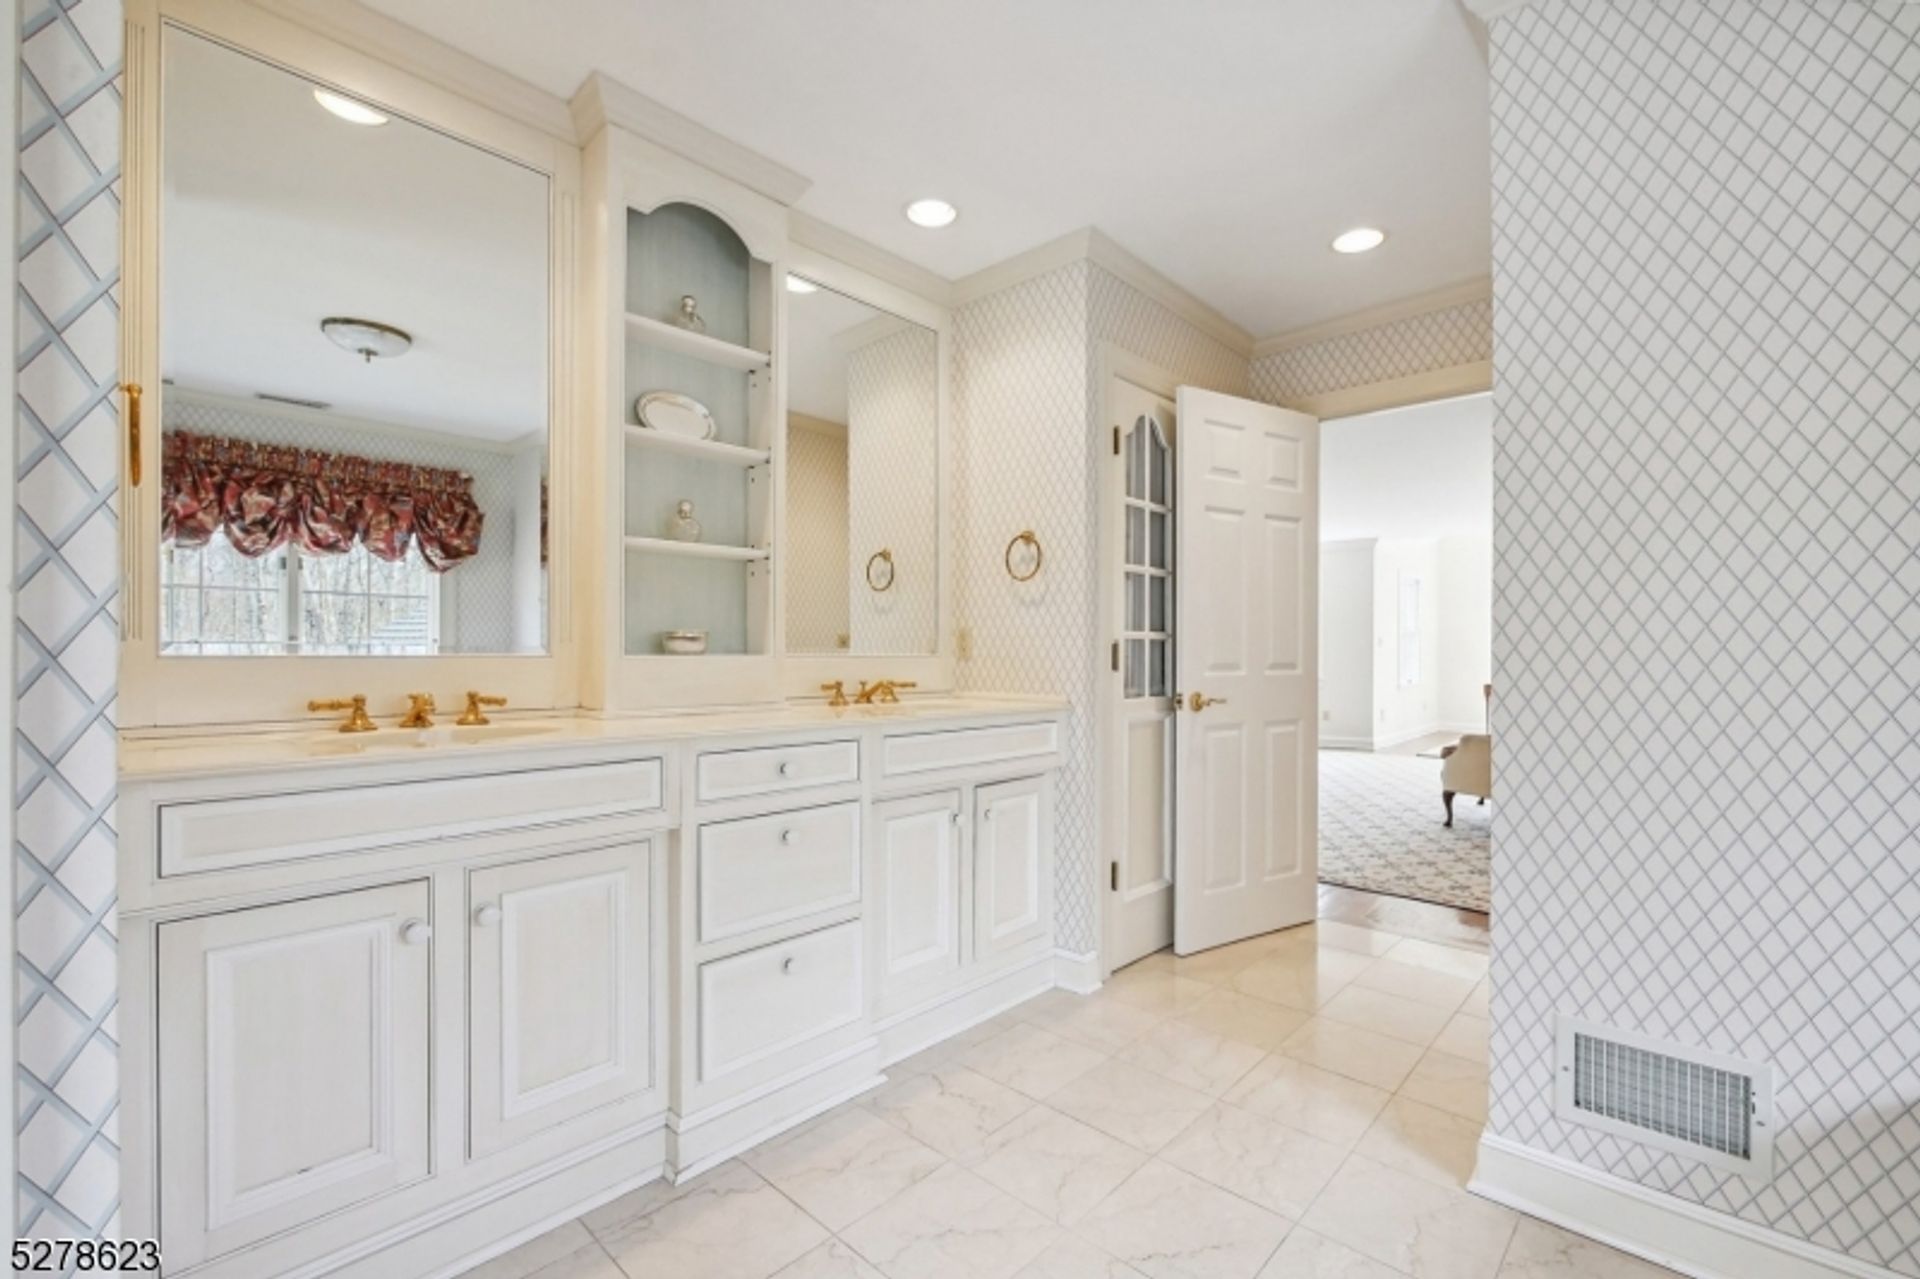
[(1380, 830)]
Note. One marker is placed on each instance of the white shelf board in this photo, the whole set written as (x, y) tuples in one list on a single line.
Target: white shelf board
[(672, 337), (712, 450), (699, 550)]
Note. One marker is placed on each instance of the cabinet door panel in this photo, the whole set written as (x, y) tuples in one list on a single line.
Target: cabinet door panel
[(917, 861), (1012, 867), (293, 1058), (559, 979)]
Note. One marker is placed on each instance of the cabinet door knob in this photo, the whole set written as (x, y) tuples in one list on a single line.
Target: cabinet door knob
[(786, 768), (487, 916), (786, 965), (789, 836), (416, 932)]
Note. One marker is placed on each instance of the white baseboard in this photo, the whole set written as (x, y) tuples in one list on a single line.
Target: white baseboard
[(1077, 973), (1667, 1231), (1345, 743), (1426, 730)]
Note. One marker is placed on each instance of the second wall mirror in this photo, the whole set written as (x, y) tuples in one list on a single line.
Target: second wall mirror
[(863, 477)]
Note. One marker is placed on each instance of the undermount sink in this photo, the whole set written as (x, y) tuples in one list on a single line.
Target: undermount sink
[(426, 738)]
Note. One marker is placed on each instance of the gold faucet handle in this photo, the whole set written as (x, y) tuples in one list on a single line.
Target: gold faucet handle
[(357, 720), (420, 710), (473, 715), (888, 690), (838, 689)]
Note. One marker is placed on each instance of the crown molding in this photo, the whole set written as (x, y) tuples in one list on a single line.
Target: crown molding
[(1474, 290), (1090, 244), (843, 246), (1118, 261), (1488, 10), (441, 65), (601, 101)]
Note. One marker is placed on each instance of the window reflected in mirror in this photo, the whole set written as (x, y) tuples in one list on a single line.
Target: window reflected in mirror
[(862, 478), (354, 357)]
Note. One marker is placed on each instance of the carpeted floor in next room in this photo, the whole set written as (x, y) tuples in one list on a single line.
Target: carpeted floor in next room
[(1380, 830)]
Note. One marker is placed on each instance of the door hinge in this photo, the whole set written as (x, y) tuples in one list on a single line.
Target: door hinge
[(1113, 877), (1116, 656), (1116, 441)]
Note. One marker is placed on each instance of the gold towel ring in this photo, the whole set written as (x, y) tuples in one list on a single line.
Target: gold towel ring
[(882, 554), (1025, 535)]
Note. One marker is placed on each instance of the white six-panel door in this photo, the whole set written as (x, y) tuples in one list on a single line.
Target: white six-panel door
[(293, 1058), (1247, 556), (558, 964)]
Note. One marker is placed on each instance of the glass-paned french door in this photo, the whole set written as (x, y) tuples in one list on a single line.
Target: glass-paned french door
[(1147, 639)]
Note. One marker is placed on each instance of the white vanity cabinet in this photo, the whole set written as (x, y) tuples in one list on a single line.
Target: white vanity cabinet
[(293, 1063), (558, 963), (391, 1005)]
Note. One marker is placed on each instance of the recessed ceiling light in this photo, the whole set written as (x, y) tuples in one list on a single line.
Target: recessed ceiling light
[(1359, 240), (932, 214), (347, 109), (797, 285)]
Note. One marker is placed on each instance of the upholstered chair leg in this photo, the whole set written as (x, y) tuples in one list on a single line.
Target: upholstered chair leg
[(1446, 797)]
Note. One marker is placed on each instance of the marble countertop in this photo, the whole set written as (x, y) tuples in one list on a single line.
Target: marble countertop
[(157, 755)]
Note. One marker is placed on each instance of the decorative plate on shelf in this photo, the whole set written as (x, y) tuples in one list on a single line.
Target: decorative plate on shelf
[(672, 413)]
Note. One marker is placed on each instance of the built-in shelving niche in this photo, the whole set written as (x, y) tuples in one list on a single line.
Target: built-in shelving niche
[(722, 584)]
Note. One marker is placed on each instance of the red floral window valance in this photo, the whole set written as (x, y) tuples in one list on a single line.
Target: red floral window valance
[(267, 495)]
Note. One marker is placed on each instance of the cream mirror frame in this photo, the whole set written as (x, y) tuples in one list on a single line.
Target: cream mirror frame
[(393, 68), (803, 674)]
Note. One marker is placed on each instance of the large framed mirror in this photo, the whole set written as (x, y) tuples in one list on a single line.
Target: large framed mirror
[(353, 400), (865, 570)]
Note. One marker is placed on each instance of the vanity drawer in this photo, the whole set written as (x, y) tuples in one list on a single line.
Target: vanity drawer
[(766, 870), (759, 1002), (199, 836), (965, 747), (766, 770)]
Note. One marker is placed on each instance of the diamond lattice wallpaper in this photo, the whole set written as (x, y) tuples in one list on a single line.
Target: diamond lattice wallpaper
[(66, 636), (1438, 339), (1026, 411), (1707, 582)]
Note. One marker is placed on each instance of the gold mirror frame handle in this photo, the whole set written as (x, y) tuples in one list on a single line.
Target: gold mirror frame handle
[(1039, 556), (131, 391), (882, 554)]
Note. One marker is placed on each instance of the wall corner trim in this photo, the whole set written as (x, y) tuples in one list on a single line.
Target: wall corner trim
[(601, 100), (844, 246), (1670, 1232)]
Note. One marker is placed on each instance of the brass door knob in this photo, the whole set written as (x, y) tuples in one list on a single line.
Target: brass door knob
[(1197, 702)]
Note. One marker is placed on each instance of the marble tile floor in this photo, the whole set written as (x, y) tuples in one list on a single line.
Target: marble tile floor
[(1304, 1105)]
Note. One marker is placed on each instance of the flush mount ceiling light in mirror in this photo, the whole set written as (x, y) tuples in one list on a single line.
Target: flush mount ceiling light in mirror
[(1361, 239), (932, 214), (797, 285), (347, 109), (368, 339)]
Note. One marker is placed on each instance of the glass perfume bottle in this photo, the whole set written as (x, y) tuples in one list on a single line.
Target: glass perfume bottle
[(689, 317), (683, 527)]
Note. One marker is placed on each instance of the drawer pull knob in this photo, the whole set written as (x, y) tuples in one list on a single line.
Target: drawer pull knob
[(487, 916), (786, 768), (416, 932), (789, 836), (786, 965)]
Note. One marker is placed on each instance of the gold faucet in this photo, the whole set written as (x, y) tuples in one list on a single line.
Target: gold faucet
[(420, 710), (473, 715), (839, 690), (357, 721), (886, 691)]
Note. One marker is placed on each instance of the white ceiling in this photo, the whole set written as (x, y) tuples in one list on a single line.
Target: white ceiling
[(276, 215), (1225, 143), (1414, 473)]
